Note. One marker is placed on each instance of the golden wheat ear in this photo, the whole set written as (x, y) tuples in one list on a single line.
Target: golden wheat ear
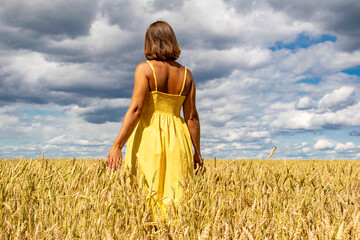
[(272, 152)]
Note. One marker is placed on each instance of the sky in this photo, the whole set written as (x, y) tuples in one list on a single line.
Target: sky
[(267, 73)]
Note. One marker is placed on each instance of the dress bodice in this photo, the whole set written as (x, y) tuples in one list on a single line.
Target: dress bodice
[(163, 103)]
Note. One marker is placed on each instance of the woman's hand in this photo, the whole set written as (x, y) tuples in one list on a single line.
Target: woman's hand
[(114, 158), (198, 162)]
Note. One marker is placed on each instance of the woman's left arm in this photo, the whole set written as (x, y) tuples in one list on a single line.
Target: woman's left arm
[(132, 116)]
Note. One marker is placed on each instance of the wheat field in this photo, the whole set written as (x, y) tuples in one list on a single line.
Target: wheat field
[(236, 199)]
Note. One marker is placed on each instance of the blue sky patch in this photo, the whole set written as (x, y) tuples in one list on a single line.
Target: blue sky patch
[(303, 41), (312, 81), (341, 136), (353, 71)]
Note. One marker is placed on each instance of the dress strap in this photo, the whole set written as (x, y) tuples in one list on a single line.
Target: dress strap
[(152, 68), (182, 88)]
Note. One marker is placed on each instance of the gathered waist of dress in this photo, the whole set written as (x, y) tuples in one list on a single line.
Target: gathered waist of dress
[(163, 103), (165, 111)]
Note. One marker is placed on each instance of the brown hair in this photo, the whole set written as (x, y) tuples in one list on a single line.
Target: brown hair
[(160, 42)]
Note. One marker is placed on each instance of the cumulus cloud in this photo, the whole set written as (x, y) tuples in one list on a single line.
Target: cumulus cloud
[(346, 146), (336, 110), (323, 144), (339, 98), (101, 110), (333, 16), (6, 120), (30, 77), (304, 103), (65, 135), (66, 73), (30, 25)]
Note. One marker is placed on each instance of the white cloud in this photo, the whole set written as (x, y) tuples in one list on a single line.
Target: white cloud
[(66, 134), (339, 98), (258, 134), (307, 150), (98, 104), (323, 144), (103, 38), (348, 117), (247, 95), (6, 120), (304, 103), (236, 57), (346, 146), (31, 66), (338, 109), (293, 119)]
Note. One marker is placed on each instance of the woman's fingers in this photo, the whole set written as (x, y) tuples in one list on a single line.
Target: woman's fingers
[(113, 163), (108, 160), (197, 167), (117, 163), (114, 159)]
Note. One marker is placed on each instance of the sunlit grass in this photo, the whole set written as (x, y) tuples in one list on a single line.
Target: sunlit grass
[(239, 199)]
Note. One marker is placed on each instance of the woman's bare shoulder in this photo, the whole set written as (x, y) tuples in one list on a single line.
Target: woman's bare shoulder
[(143, 68), (189, 72), (189, 75)]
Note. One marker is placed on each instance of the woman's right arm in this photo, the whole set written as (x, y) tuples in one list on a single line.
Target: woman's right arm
[(193, 122), (132, 116)]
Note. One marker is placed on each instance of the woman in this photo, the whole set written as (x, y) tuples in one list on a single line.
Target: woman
[(159, 139)]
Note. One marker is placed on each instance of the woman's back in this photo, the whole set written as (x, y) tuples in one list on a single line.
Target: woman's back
[(169, 76), (164, 102)]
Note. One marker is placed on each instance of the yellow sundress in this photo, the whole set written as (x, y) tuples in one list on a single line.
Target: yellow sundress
[(160, 150)]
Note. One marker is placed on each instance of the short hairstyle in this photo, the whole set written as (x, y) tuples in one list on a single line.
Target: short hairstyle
[(160, 42)]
